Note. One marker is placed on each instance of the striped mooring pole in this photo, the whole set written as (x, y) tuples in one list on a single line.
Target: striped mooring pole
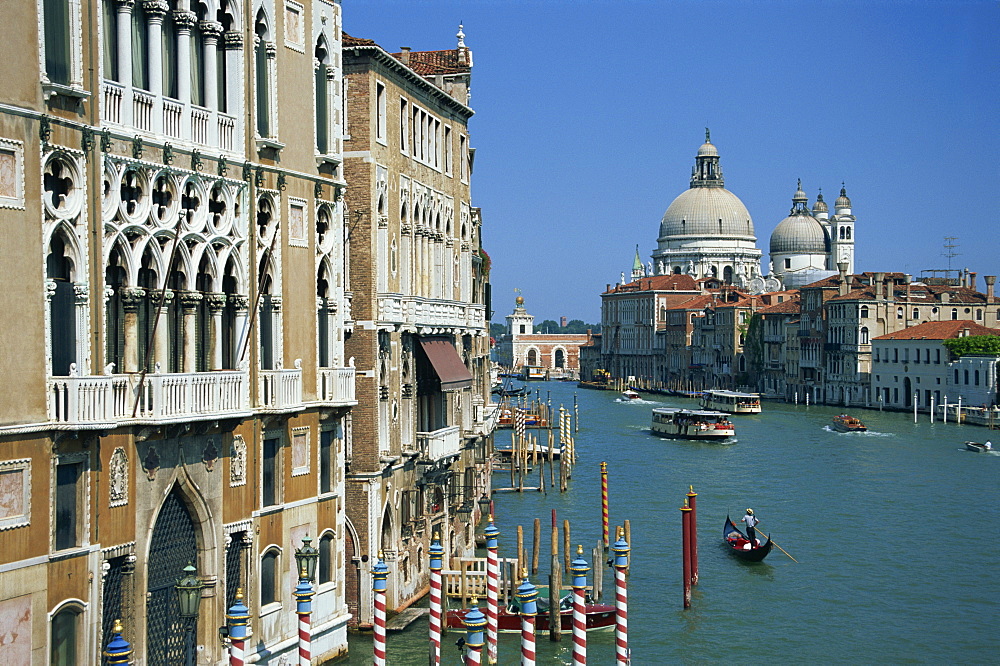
[(621, 551), (380, 573), (238, 617), (436, 552), (694, 534), (604, 503), (303, 608), (527, 598), (579, 568), (474, 622), (492, 590), (119, 651)]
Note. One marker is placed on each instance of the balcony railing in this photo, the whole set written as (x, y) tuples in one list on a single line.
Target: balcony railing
[(105, 399), (280, 390), (420, 311), (439, 444), (336, 386)]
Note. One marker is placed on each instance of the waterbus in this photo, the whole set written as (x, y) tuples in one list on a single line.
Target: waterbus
[(691, 424), (732, 402)]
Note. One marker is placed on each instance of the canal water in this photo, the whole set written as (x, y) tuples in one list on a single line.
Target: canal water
[(893, 531)]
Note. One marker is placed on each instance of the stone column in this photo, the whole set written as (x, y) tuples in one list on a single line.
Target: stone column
[(161, 341), (189, 303), (211, 31), (155, 11), (241, 306), (81, 310), (233, 42), (216, 303), (131, 297), (184, 21), (277, 333), (124, 55)]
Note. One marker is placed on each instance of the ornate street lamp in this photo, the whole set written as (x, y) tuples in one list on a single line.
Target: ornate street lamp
[(189, 592), (484, 504), (305, 559)]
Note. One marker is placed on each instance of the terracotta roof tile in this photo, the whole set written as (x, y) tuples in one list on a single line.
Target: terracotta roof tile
[(939, 330), (785, 307), (348, 41), (657, 283), (431, 63)]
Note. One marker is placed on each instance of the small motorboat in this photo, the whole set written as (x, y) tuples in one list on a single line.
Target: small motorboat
[(976, 447), (629, 394), (845, 423), (509, 620), (740, 546)]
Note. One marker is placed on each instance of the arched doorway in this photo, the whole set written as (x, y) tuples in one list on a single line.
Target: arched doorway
[(532, 357), (907, 393), (170, 639), (560, 358)]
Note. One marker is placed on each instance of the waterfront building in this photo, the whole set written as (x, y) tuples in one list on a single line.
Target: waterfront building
[(706, 231), (420, 340), (591, 359), (913, 364), (175, 385), (558, 354), (633, 319), (808, 245), (773, 346)]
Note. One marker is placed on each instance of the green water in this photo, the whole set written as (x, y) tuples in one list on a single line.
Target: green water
[(892, 530)]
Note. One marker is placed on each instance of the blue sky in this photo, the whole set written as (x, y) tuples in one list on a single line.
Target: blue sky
[(589, 115)]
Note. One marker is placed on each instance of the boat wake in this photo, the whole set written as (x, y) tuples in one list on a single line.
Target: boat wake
[(636, 401), (866, 433)]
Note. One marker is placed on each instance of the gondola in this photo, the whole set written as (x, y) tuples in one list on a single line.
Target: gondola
[(510, 392), (737, 542)]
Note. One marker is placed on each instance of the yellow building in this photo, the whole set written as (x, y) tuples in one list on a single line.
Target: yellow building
[(176, 389)]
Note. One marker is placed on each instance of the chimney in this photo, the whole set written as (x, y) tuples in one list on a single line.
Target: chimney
[(879, 285), (972, 280), (990, 280), (842, 267), (404, 54)]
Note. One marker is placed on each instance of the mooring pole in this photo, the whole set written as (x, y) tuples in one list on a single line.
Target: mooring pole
[(436, 552), (474, 622), (492, 590), (527, 601), (621, 551), (380, 572), (686, 551), (555, 585), (694, 534), (579, 569), (604, 503)]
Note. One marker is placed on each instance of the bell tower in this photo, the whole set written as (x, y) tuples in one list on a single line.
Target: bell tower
[(842, 232)]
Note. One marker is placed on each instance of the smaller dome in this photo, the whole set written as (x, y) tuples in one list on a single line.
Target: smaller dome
[(799, 234), (820, 205), (708, 150), (799, 196), (842, 200)]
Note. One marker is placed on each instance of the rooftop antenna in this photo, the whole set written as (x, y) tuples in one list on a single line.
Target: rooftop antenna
[(949, 250)]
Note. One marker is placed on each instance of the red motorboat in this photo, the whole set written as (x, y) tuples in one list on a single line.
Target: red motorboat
[(508, 620)]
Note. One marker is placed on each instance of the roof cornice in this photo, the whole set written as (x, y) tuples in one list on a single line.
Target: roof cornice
[(378, 54)]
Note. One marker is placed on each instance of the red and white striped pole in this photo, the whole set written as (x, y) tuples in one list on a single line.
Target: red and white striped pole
[(492, 590), (604, 503), (303, 598), (579, 568), (380, 573), (436, 552), (238, 617), (474, 622), (527, 597), (621, 551)]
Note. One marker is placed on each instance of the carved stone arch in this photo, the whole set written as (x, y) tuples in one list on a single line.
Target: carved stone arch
[(387, 536), (262, 21), (120, 245), (232, 9), (325, 273), (233, 261), (206, 260), (71, 247), (183, 263), (147, 246), (322, 46)]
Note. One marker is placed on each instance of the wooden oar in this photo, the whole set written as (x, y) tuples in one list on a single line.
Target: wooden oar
[(780, 548)]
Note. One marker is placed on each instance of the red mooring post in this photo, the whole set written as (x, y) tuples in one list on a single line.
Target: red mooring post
[(604, 503), (694, 534), (686, 549)]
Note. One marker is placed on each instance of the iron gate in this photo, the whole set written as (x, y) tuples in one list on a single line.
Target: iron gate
[(112, 599), (170, 639), (234, 568)]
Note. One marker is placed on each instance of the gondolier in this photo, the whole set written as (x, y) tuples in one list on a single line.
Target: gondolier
[(751, 521)]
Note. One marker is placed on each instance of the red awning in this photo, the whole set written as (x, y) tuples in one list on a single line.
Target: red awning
[(447, 364)]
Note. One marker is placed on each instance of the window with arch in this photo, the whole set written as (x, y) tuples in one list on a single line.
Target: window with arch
[(264, 54), (560, 358), (979, 315), (848, 230), (65, 636), (899, 313), (322, 92), (976, 378), (327, 559), (864, 335), (864, 312), (532, 357), (57, 17), (954, 314), (269, 575), (956, 376)]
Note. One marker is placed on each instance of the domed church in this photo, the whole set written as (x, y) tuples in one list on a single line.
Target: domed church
[(707, 232), (807, 245)]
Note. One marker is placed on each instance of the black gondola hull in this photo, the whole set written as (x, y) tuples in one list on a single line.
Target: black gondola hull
[(735, 540)]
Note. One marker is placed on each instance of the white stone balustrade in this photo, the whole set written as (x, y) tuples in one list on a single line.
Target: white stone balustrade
[(420, 311), (336, 386), (106, 399), (442, 443), (280, 390)]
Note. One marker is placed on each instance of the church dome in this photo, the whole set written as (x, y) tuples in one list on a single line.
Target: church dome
[(843, 201), (820, 205), (799, 234), (708, 150), (707, 212)]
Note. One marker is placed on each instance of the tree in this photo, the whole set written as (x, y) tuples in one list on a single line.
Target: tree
[(973, 344)]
